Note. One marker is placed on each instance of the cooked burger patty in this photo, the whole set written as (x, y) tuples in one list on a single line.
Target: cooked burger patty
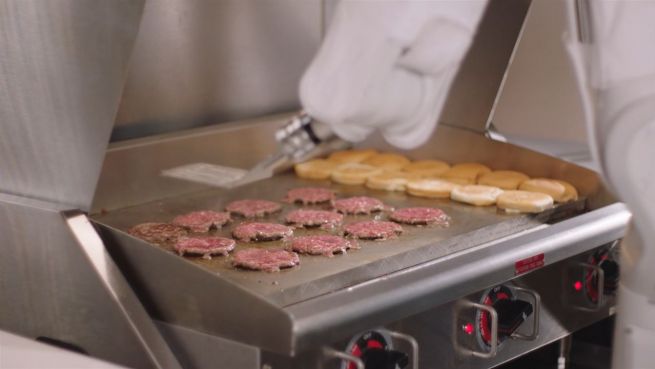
[(326, 245), (310, 195), (250, 232), (252, 208), (358, 205), (264, 259), (373, 230), (314, 218), (205, 246), (202, 221), (420, 215), (157, 232)]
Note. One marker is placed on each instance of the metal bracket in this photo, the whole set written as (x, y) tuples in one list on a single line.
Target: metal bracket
[(135, 315), (535, 315), (493, 349), (411, 341), (493, 133), (330, 353), (601, 287)]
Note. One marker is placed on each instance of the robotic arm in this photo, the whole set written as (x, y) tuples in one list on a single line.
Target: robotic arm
[(615, 65), (388, 66)]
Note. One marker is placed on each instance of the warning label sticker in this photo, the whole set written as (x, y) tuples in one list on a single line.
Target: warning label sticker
[(528, 264)]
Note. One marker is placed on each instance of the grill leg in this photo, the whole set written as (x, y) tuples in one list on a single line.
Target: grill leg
[(564, 359)]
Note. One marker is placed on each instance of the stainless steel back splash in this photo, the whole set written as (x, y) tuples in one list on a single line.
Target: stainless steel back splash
[(203, 62), (208, 61), (62, 68)]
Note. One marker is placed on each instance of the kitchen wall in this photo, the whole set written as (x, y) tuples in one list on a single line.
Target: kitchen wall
[(202, 62)]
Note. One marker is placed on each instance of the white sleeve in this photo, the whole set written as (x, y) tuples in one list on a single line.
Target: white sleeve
[(616, 74), (388, 65)]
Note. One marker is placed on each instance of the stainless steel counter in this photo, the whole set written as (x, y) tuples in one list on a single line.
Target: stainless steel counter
[(327, 299)]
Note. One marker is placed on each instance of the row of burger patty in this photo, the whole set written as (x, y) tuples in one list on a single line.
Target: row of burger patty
[(189, 233)]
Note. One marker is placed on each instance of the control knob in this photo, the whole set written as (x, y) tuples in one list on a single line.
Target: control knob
[(376, 352), (605, 259), (512, 312)]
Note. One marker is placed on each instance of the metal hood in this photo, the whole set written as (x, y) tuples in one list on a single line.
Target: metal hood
[(475, 90), (62, 69)]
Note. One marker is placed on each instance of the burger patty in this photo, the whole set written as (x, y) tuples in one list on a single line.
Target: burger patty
[(265, 259), (205, 246), (253, 208), (420, 216), (314, 218), (253, 232), (202, 221), (373, 230), (157, 232), (358, 205), (326, 245), (310, 195)]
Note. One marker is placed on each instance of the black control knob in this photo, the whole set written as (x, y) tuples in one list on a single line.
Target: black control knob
[(378, 358), (511, 314), (612, 271)]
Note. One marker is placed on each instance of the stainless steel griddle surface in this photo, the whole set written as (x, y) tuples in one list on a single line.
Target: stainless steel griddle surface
[(316, 275)]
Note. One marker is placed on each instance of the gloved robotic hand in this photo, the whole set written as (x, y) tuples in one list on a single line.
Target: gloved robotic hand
[(388, 65)]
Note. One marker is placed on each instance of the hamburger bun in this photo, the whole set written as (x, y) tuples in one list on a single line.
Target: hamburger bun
[(478, 195), (514, 201), (353, 173), (466, 171), (570, 192), (551, 187), (432, 188), (315, 169), (351, 156), (390, 180), (505, 179), (428, 168), (387, 161)]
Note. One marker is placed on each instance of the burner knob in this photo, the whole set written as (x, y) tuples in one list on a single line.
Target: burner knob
[(378, 358), (612, 271), (511, 314)]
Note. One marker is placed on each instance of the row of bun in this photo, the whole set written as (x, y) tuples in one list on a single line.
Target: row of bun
[(471, 183)]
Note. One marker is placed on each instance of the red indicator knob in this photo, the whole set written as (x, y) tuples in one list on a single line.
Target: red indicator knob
[(577, 285), (468, 328)]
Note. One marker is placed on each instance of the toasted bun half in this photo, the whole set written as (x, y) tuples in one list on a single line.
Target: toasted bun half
[(432, 188), (524, 201), (315, 169), (458, 181), (351, 156), (353, 173), (390, 180), (478, 195), (467, 171), (550, 187), (505, 179), (570, 192), (427, 167), (388, 161)]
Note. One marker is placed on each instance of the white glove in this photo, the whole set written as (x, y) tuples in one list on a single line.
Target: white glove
[(388, 65)]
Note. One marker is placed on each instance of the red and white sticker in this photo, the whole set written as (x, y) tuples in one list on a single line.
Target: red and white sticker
[(525, 265)]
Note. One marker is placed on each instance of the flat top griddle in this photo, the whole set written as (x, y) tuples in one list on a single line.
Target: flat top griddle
[(316, 275)]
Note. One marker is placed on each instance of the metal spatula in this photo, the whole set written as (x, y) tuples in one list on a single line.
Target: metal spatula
[(301, 139)]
